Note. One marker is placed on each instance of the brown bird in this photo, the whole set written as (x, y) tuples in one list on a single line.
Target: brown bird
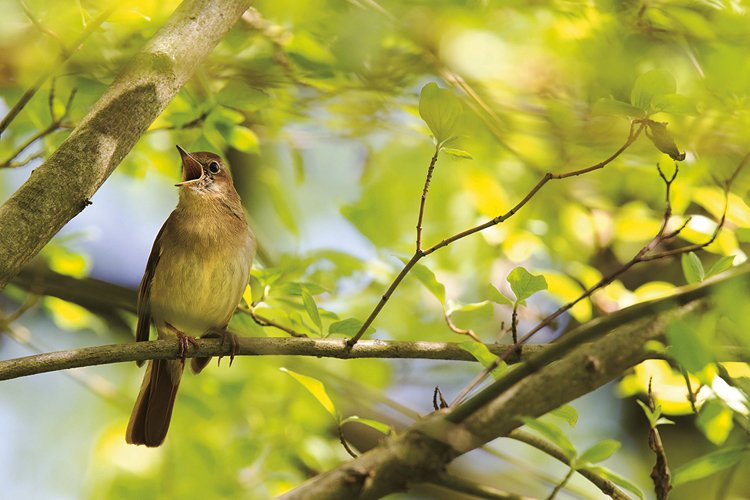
[(194, 279)]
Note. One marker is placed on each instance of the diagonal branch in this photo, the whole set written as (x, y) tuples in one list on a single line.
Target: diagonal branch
[(587, 358), (63, 185)]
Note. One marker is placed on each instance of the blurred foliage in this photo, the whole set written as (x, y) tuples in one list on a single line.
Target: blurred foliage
[(317, 106)]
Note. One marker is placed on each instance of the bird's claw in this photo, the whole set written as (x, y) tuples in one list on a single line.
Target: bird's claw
[(184, 342), (234, 346)]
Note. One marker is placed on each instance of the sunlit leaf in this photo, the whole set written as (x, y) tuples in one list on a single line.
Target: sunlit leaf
[(312, 309), (663, 140), (553, 433), (458, 153), (692, 268), (617, 479), (440, 109), (606, 106), (651, 84), (524, 284), (243, 139), (720, 265), (484, 356), (715, 421), (688, 345), (709, 464), (566, 412), (497, 296), (471, 307), (236, 94), (428, 279), (348, 326), (316, 388), (599, 452), (378, 426)]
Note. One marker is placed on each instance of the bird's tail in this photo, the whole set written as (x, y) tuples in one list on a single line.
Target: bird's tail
[(149, 421)]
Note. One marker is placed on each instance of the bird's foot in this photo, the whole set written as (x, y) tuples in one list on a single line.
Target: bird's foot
[(183, 342), (234, 345)]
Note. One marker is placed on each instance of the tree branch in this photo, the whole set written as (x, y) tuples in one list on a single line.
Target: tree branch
[(64, 184), (587, 358), (255, 346)]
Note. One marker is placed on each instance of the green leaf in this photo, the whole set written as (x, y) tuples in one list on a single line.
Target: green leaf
[(715, 421), (691, 349), (720, 266), (440, 110), (243, 139), (709, 464), (316, 388), (675, 104), (484, 356), (312, 309), (599, 452), (428, 279), (553, 433), (239, 95), (692, 268), (497, 297), (378, 426), (524, 284), (617, 479), (470, 307), (608, 106), (567, 413), (663, 140), (652, 416), (458, 153), (348, 326), (649, 85)]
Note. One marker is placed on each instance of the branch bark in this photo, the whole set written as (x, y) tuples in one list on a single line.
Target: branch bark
[(64, 184), (256, 346), (587, 358)]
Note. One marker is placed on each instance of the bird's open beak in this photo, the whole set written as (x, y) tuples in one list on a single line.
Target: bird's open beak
[(192, 170)]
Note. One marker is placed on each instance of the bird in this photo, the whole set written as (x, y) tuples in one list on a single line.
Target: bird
[(194, 279)]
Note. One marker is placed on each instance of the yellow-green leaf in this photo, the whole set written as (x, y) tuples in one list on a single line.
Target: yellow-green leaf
[(378, 426), (524, 284), (440, 110), (316, 388), (692, 268), (709, 464)]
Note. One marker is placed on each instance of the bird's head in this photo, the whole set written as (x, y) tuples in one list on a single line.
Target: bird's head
[(204, 174)]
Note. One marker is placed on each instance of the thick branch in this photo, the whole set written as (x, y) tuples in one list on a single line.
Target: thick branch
[(64, 184), (167, 349), (587, 358)]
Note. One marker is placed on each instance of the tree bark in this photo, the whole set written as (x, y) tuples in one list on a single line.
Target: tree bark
[(587, 358), (63, 185)]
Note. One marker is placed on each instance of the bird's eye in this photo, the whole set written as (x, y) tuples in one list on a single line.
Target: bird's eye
[(213, 167)]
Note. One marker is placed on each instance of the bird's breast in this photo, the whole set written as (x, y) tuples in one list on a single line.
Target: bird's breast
[(199, 278)]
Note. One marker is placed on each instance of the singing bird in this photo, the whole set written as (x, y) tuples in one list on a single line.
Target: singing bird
[(194, 279)]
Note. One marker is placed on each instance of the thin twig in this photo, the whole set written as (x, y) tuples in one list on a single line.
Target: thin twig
[(561, 485), (43, 28), (423, 199), (660, 474), (52, 127), (605, 485), (461, 331), (418, 255), (263, 321), (344, 442), (641, 256)]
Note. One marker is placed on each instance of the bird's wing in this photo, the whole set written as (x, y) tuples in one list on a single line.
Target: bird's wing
[(144, 290)]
